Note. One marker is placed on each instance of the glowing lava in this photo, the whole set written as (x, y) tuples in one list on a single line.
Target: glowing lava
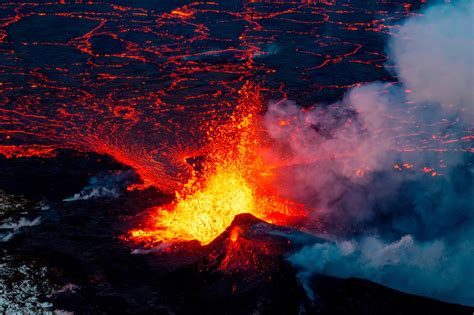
[(233, 179)]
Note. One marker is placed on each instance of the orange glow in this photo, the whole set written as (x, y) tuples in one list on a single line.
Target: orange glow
[(427, 169), (234, 179), (283, 123), (181, 13), (17, 151), (234, 234)]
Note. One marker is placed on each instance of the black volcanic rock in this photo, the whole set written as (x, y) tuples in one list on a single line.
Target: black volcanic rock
[(243, 271), (264, 282), (53, 178), (359, 296)]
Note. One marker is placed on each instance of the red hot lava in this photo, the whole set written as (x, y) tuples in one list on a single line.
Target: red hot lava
[(233, 179)]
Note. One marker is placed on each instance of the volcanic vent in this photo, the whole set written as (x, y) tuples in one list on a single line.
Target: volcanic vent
[(232, 179)]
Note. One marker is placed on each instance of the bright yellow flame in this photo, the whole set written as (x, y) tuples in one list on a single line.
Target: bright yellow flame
[(206, 213), (233, 181)]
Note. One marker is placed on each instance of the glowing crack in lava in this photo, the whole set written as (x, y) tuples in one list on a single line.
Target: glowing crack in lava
[(232, 180)]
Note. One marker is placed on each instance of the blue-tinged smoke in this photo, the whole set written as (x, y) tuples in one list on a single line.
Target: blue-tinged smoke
[(389, 169)]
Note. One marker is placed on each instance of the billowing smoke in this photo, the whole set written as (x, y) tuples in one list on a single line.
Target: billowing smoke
[(328, 150), (431, 268), (388, 170), (434, 56)]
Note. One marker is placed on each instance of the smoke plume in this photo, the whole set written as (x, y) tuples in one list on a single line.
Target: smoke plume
[(434, 56), (388, 169), (104, 186)]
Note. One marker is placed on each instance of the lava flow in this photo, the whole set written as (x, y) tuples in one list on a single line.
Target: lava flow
[(233, 179)]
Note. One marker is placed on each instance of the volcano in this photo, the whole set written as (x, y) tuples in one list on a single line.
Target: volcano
[(236, 157), (87, 268)]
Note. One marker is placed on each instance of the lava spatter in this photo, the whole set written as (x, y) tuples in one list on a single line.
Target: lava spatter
[(142, 82), (124, 80), (233, 179)]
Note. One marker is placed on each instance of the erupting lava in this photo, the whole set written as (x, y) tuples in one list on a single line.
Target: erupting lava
[(232, 180)]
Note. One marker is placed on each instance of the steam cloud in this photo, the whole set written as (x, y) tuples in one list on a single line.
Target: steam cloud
[(434, 54), (352, 162)]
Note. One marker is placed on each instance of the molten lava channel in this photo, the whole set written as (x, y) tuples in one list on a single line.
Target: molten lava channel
[(233, 179)]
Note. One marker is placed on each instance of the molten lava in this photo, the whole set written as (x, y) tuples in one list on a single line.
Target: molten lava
[(233, 179)]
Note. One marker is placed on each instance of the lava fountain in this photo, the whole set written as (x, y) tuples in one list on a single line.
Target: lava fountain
[(232, 179)]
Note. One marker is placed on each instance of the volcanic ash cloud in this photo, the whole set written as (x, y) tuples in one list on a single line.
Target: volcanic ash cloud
[(413, 231), (434, 56)]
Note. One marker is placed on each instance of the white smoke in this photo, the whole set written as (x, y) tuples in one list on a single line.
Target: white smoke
[(93, 193), (328, 149), (11, 227), (431, 268), (105, 186), (434, 55), (339, 160)]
